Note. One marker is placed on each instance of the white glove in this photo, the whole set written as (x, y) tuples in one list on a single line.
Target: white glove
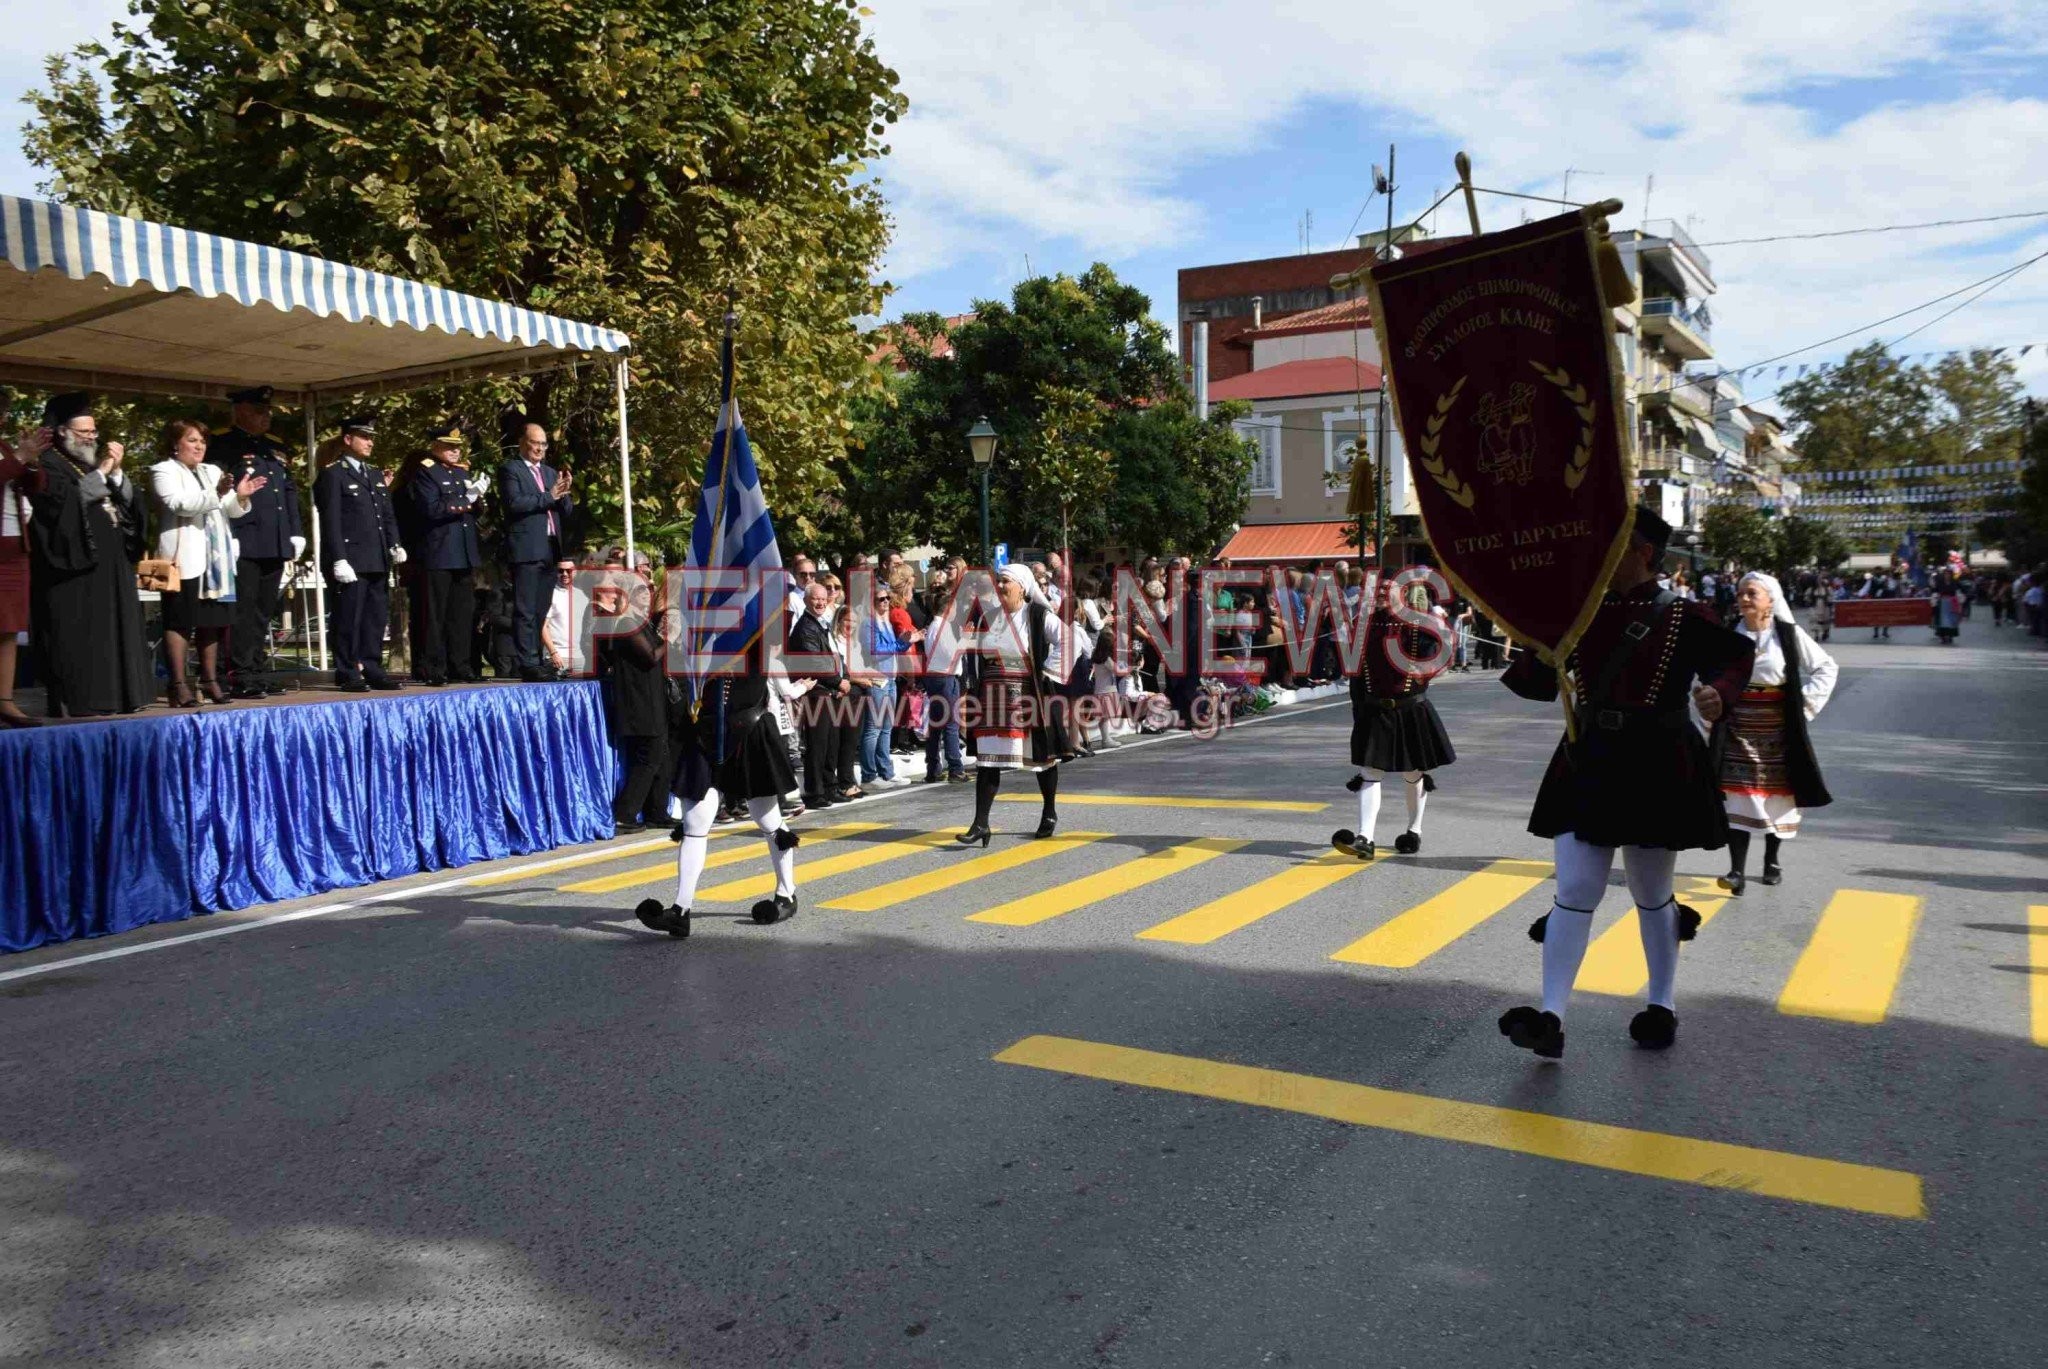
[(298, 548), (342, 573), (398, 556), (478, 488)]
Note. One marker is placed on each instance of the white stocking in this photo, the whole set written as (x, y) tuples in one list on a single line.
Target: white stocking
[(1418, 795), (1581, 880), (1649, 880), (690, 851), (1369, 804), (767, 815)]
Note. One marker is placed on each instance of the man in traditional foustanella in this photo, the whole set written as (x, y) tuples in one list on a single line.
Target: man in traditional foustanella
[(1632, 775)]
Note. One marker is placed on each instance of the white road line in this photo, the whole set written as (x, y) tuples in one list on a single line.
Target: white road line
[(439, 886)]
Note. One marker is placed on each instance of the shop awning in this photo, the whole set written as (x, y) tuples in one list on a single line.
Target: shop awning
[(99, 302), (1263, 542)]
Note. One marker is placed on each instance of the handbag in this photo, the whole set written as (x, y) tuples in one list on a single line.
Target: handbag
[(159, 573)]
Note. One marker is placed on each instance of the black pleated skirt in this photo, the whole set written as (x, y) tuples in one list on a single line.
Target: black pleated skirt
[(757, 768), (1653, 783), (1408, 736)]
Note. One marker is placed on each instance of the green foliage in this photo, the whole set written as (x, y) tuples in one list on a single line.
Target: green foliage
[(635, 164), (1874, 412), (1739, 534), (1748, 538), (2024, 533), (1065, 466), (1799, 543), (1098, 442)]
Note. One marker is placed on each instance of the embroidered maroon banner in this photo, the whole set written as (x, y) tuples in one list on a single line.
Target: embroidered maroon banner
[(1501, 362), (1884, 612)]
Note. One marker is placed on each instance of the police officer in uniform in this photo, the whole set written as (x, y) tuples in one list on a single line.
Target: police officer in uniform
[(447, 551), (269, 535), (359, 547)]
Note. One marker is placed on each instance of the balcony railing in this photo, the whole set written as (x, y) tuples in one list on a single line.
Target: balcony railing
[(1671, 461), (1696, 318), (1669, 228)]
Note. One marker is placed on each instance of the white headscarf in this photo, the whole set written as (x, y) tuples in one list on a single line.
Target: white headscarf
[(1779, 609), (1025, 581)]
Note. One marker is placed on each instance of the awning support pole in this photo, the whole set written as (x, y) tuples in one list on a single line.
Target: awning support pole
[(319, 580), (625, 462)]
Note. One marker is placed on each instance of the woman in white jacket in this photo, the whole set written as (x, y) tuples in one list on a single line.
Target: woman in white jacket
[(194, 502)]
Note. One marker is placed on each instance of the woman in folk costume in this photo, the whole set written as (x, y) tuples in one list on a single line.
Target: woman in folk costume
[(1768, 772), (1948, 608), (1394, 727), (1020, 670), (728, 748)]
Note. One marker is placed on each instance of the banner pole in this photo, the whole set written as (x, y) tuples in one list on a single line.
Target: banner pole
[(1379, 472), (1464, 165)]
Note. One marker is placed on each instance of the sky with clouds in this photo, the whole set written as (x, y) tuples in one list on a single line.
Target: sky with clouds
[(1157, 134)]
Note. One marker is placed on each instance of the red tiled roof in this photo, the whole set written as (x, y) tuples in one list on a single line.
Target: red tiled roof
[(1340, 317), (1299, 379), (1293, 542), (942, 345)]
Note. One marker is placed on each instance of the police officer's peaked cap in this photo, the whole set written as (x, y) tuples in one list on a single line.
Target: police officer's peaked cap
[(365, 424), (448, 434), (255, 394)]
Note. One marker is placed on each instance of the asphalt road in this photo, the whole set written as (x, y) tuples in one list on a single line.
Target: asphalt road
[(500, 1124)]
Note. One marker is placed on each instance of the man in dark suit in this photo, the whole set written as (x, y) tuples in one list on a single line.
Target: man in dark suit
[(359, 547), (269, 535), (534, 507), (445, 497), (812, 636)]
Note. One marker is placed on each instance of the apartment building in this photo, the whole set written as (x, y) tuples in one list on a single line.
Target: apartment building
[(1305, 358), (1676, 406)]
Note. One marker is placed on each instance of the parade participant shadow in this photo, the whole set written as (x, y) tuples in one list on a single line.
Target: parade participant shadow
[(354, 1147)]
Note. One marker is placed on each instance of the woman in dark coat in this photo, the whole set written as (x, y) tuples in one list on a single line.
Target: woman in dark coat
[(1394, 727), (84, 540)]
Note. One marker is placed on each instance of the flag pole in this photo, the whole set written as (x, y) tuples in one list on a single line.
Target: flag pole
[(625, 460)]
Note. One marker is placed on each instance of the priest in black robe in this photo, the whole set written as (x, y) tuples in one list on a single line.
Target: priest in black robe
[(85, 617)]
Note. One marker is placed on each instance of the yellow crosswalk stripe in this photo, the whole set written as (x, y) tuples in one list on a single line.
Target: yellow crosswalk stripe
[(1852, 964), (747, 850), (1414, 936), (1614, 963), (1656, 1155), (2037, 944), (1163, 801), (548, 867), (1132, 874), (953, 875), (760, 886), (1234, 912)]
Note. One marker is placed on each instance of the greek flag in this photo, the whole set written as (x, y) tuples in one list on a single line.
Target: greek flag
[(732, 532)]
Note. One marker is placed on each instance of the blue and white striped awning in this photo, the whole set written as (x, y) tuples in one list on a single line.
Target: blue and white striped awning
[(100, 301)]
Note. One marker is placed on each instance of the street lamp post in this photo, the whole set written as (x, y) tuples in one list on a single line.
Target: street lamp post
[(981, 441)]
